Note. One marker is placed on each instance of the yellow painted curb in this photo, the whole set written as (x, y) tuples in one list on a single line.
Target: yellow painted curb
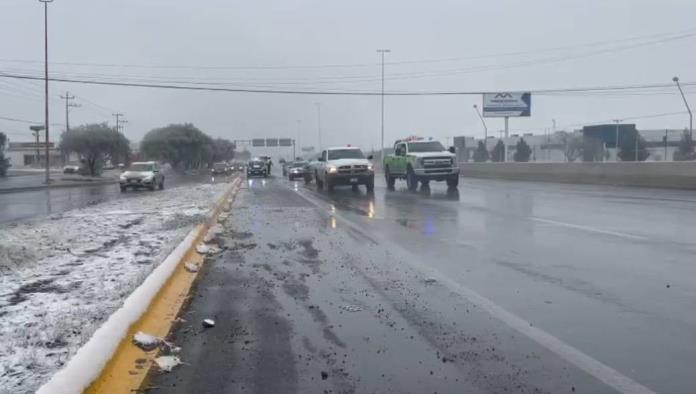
[(128, 369)]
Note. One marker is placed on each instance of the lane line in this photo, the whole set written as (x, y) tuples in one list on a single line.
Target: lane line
[(574, 356), (589, 229)]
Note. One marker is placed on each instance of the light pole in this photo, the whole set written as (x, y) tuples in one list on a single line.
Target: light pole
[(382, 52), (617, 121), (485, 128), (36, 131), (45, 3), (686, 103), (297, 140), (319, 123)]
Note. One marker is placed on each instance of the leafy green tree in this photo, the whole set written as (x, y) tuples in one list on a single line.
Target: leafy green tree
[(522, 151), (223, 149), (4, 163), (498, 152), (96, 143), (182, 145), (627, 148), (481, 153), (685, 151)]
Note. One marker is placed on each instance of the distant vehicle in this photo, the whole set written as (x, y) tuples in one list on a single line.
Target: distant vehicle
[(344, 166), (221, 168), (297, 169), (71, 169), (418, 160), (237, 166), (268, 161), (108, 165), (256, 167), (146, 174)]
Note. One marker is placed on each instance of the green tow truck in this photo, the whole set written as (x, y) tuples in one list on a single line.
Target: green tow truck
[(419, 160)]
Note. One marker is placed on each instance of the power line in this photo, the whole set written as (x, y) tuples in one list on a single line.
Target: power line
[(338, 92), (662, 36)]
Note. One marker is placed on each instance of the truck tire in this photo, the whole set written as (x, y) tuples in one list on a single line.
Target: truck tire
[(389, 178), (320, 184), (161, 185), (307, 179), (329, 186), (453, 181), (411, 180), (425, 183), (370, 185)]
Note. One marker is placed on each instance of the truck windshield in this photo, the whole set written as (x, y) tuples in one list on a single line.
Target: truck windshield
[(429, 146), (336, 154), (297, 164)]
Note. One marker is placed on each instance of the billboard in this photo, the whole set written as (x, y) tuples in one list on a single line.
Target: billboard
[(271, 142), (507, 104), (258, 142), (285, 142)]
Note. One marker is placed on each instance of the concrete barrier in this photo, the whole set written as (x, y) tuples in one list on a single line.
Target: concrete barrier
[(674, 175)]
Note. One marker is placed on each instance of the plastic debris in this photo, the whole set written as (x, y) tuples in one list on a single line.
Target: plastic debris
[(207, 249), (208, 323), (145, 341), (167, 363), (212, 233), (191, 266)]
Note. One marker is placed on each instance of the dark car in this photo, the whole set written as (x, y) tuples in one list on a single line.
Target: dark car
[(297, 169), (220, 169), (257, 168)]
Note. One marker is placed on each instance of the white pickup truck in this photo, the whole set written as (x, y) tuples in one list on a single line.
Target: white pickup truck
[(344, 166)]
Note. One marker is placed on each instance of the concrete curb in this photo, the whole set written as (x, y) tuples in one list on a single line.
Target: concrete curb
[(109, 362)]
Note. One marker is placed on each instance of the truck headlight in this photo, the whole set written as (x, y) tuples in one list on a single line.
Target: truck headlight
[(332, 169), (370, 167)]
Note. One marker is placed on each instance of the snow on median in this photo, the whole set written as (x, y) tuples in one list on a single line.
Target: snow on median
[(61, 277)]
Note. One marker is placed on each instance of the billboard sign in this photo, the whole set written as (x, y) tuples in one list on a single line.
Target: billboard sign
[(507, 104), (258, 142), (271, 142), (285, 142)]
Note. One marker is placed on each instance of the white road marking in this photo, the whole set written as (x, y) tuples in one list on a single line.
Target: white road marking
[(593, 367), (589, 229)]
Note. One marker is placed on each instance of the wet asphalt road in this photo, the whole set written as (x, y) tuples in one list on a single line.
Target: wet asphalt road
[(36, 204), (501, 287)]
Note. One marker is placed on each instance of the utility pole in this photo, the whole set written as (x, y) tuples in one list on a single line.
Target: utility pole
[(382, 52), (688, 109), (118, 118), (319, 123), (485, 128), (45, 3), (297, 141), (617, 121), (507, 131), (36, 131), (68, 105)]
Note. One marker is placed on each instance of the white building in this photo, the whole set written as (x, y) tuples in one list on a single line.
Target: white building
[(32, 155)]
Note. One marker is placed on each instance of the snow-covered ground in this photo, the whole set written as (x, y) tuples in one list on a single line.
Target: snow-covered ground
[(62, 276)]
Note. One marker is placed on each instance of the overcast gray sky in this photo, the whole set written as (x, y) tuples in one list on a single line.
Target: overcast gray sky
[(436, 45)]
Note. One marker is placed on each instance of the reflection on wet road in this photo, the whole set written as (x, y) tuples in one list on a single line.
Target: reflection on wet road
[(496, 287)]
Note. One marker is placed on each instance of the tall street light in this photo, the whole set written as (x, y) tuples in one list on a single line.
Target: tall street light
[(382, 52), (45, 3), (691, 115), (319, 123), (485, 128)]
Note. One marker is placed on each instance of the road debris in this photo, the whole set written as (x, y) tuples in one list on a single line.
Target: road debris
[(167, 363), (145, 341), (191, 266), (351, 308), (208, 323), (207, 249)]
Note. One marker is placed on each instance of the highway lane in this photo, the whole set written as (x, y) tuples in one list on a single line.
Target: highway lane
[(35, 204), (564, 287)]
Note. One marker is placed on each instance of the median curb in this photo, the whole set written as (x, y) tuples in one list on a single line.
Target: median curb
[(109, 362)]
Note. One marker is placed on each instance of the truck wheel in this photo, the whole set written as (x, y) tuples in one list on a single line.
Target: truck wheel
[(425, 184), (307, 179), (370, 185), (329, 186), (320, 184), (453, 181), (161, 185), (411, 180), (389, 179)]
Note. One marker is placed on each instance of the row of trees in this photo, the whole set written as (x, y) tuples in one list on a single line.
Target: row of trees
[(575, 147), (183, 146)]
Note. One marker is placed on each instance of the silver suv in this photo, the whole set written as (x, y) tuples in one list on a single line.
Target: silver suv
[(146, 174)]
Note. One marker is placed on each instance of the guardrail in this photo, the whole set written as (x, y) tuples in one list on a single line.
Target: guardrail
[(674, 175)]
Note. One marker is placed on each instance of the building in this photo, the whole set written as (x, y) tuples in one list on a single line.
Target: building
[(33, 155)]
